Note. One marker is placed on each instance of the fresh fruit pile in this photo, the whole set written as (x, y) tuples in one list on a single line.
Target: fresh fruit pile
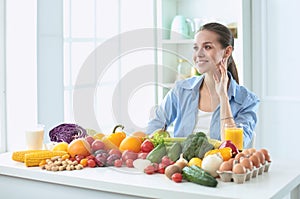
[(196, 158)]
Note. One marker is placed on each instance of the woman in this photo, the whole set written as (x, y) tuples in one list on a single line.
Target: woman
[(205, 103)]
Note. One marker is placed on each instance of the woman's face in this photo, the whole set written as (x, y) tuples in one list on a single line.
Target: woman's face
[(208, 51)]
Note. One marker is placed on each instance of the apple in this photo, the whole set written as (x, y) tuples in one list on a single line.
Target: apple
[(147, 146), (97, 145)]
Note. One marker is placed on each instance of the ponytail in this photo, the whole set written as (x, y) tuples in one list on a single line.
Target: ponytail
[(232, 69)]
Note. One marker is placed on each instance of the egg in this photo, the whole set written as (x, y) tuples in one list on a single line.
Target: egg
[(255, 161), (239, 169), (261, 157), (266, 153), (239, 156), (246, 152), (247, 163), (252, 150), (232, 162), (225, 166)]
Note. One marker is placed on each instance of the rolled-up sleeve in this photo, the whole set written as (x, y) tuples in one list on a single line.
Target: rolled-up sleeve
[(164, 114)]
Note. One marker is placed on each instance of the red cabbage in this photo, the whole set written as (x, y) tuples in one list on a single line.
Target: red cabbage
[(67, 133)]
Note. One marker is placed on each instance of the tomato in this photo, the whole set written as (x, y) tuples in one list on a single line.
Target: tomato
[(155, 165), (177, 177), (149, 169), (161, 168), (147, 146), (91, 163)]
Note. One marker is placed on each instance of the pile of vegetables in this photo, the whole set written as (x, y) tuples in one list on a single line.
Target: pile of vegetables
[(67, 133)]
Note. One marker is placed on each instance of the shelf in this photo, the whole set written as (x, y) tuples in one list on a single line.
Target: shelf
[(183, 41)]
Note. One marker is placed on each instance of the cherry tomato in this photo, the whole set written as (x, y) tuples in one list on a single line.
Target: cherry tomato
[(91, 163), (91, 157), (155, 165), (149, 169), (161, 168), (177, 177)]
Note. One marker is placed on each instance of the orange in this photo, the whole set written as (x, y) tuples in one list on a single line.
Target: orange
[(140, 134), (79, 147), (61, 146), (131, 143)]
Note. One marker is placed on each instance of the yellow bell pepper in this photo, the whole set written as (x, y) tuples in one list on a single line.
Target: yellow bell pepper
[(226, 153)]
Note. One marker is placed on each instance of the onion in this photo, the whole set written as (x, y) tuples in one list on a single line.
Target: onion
[(211, 163)]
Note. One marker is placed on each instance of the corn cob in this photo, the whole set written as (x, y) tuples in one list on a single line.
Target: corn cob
[(34, 159), (19, 156)]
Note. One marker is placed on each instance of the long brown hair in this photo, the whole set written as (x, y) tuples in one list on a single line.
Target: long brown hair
[(225, 39)]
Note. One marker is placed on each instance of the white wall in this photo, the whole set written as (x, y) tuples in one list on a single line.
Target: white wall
[(2, 79), (275, 75), (21, 70)]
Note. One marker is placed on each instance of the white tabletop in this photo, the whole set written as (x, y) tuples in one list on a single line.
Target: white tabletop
[(281, 179)]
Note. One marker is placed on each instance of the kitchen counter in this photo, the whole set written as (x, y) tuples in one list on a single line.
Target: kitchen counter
[(19, 181)]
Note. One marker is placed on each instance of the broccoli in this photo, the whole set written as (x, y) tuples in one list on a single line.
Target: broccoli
[(196, 145)]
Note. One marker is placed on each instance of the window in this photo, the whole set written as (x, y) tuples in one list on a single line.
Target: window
[(102, 25)]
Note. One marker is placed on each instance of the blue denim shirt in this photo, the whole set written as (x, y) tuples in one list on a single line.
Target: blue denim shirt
[(180, 106)]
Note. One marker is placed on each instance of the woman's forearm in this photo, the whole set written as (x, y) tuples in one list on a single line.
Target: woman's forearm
[(225, 115)]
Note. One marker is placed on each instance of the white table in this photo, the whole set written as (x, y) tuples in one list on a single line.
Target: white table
[(18, 181)]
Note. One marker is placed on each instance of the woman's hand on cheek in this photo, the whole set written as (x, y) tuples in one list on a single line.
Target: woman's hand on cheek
[(221, 78)]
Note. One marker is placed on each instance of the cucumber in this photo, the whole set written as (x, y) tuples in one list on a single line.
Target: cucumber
[(197, 175), (157, 153), (174, 151)]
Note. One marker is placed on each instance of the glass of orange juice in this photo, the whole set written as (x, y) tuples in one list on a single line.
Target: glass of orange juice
[(234, 132)]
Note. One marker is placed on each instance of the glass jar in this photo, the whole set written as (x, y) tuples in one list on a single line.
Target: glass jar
[(183, 69)]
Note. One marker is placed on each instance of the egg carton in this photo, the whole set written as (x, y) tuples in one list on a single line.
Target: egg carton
[(229, 176)]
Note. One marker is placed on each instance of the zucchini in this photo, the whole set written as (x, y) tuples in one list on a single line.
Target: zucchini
[(197, 175), (174, 151), (157, 153)]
